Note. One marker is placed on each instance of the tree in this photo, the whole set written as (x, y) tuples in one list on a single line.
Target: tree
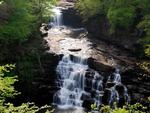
[(24, 18)]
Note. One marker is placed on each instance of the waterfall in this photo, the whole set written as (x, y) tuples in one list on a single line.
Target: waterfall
[(117, 88), (57, 17), (97, 87), (72, 78)]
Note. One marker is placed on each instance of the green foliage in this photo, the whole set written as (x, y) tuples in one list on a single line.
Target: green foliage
[(136, 108), (24, 108), (42, 8), (6, 83), (7, 80), (89, 8), (145, 66), (120, 17), (24, 18), (147, 50), (120, 13), (145, 26), (94, 107), (20, 23), (1, 2), (26, 70), (7, 90)]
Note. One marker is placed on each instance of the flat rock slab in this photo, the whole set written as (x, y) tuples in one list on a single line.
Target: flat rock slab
[(74, 50), (61, 41)]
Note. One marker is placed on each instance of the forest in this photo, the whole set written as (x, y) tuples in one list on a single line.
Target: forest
[(74, 56)]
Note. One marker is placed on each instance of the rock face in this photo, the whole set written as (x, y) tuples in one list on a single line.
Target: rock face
[(137, 84), (70, 18), (42, 86), (44, 30), (99, 28), (45, 86), (101, 68)]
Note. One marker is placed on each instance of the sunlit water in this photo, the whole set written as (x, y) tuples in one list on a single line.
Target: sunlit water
[(57, 17)]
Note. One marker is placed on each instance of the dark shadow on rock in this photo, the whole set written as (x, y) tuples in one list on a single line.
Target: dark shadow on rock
[(137, 82), (36, 73), (71, 19), (101, 68)]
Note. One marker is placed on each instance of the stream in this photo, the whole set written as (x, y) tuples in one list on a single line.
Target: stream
[(78, 83)]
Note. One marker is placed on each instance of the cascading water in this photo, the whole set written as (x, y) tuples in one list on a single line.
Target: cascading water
[(72, 82), (97, 87), (115, 95), (57, 17), (71, 76)]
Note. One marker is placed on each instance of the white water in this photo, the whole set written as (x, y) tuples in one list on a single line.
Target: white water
[(71, 78), (97, 86), (72, 82), (57, 17), (114, 96)]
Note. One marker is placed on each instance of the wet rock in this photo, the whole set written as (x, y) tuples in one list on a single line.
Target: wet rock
[(106, 96), (44, 85), (44, 34), (110, 84), (71, 18), (88, 89), (90, 73), (99, 28), (46, 28), (44, 109), (43, 24), (86, 97), (94, 64), (74, 50), (138, 88), (120, 89), (88, 103)]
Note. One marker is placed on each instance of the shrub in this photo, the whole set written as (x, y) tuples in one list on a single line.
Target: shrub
[(120, 17)]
